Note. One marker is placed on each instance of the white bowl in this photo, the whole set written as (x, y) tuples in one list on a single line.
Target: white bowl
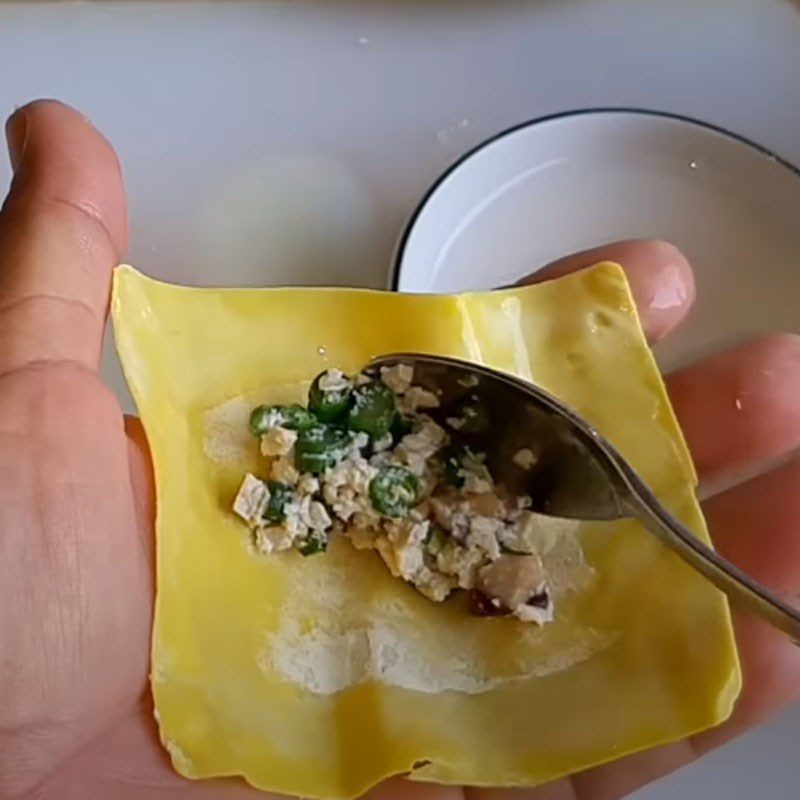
[(575, 180)]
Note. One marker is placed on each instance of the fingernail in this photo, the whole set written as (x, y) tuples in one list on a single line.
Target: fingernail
[(16, 136)]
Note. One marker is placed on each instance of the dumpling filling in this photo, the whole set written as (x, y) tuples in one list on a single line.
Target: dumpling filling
[(371, 459)]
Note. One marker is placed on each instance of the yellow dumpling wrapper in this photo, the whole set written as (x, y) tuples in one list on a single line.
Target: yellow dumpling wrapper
[(322, 676)]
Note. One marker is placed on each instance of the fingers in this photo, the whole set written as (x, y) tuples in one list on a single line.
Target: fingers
[(739, 410), (62, 229), (757, 525), (558, 790), (402, 789), (739, 413), (129, 763), (659, 275), (736, 409)]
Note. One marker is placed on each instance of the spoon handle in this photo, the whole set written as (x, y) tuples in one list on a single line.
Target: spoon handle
[(727, 577)]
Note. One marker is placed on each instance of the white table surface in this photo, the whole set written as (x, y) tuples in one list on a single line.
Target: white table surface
[(287, 141)]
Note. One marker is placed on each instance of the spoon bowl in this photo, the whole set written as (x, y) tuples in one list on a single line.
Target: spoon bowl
[(537, 446)]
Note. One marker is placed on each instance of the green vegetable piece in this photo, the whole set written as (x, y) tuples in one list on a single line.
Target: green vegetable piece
[(315, 543), (279, 495), (263, 418), (373, 410), (315, 463), (295, 418), (401, 426), (323, 438), (393, 491), (331, 405), (437, 536), (320, 447)]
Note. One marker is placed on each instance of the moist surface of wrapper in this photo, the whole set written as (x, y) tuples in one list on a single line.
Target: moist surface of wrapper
[(321, 676)]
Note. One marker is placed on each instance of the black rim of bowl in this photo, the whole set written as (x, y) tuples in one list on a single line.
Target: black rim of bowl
[(400, 249)]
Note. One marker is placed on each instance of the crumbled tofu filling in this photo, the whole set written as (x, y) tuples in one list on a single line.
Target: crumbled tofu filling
[(396, 481), (333, 380), (524, 458), (277, 442)]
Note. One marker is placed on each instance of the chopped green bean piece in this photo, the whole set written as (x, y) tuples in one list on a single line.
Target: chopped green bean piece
[(263, 418), (373, 410), (279, 495), (293, 417), (401, 426), (393, 491), (297, 418), (315, 463), (329, 405), (316, 542), (320, 447)]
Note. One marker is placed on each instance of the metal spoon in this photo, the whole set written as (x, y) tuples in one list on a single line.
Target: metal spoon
[(577, 474)]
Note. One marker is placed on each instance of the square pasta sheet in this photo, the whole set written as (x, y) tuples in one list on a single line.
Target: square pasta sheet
[(321, 676)]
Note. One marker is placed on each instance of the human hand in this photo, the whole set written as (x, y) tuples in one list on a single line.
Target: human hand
[(76, 497)]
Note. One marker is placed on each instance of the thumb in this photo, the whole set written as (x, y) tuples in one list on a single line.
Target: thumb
[(62, 229)]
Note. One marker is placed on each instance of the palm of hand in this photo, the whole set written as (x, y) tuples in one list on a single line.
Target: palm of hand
[(81, 580), (75, 501)]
